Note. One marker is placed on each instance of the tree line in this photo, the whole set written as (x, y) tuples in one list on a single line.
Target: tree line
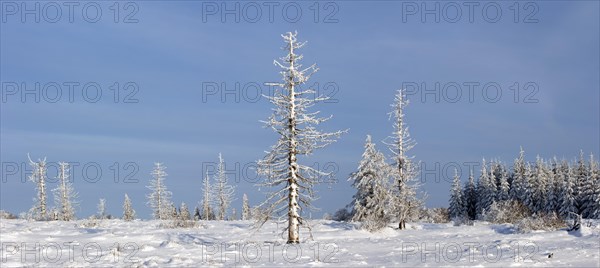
[(215, 205), (566, 189)]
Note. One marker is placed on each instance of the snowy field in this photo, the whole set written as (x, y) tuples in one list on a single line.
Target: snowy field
[(235, 243)]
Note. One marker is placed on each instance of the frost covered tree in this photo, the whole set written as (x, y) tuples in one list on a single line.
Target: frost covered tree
[(529, 197), (245, 208), (581, 176), (101, 209), (486, 190), (128, 212), (38, 176), (470, 197), (456, 209), (595, 194), (519, 178), (406, 204), (500, 179), (503, 192), (54, 214), (363, 179), (184, 212), (207, 199), (174, 214), (64, 194), (223, 191), (552, 189), (372, 189), (538, 186), (159, 199), (298, 136), (378, 216), (590, 190), (566, 198), (197, 216)]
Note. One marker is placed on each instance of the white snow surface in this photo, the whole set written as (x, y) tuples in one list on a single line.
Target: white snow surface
[(336, 244)]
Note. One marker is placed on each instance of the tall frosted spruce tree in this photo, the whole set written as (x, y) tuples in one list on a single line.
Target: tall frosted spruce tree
[(298, 136), (64, 194), (207, 199), (406, 204), (160, 198), (222, 190), (519, 178), (39, 210)]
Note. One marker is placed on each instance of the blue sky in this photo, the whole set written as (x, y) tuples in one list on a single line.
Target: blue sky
[(175, 48)]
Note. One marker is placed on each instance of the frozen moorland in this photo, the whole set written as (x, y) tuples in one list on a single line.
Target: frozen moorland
[(109, 243)]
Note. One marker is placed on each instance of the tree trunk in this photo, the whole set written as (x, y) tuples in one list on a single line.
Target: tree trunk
[(293, 223), (42, 190), (293, 217)]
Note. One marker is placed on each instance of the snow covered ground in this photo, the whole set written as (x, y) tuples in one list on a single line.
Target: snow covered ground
[(145, 244)]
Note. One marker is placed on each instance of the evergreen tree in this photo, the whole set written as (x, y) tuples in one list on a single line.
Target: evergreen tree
[(519, 178), (552, 189), (567, 195), (372, 196), (174, 214), (503, 192), (457, 207), (128, 212), (405, 203), (579, 191), (64, 194), (486, 190), (101, 209), (54, 214), (38, 176), (197, 216), (245, 208), (538, 184), (223, 191), (378, 216), (298, 136), (470, 196), (160, 198), (591, 191), (595, 174), (207, 199), (184, 212), (529, 191)]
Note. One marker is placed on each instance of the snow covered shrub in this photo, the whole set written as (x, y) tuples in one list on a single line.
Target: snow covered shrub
[(183, 219), (5, 215), (462, 221), (434, 215), (508, 211), (374, 224), (342, 215), (545, 222), (180, 223), (91, 222)]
